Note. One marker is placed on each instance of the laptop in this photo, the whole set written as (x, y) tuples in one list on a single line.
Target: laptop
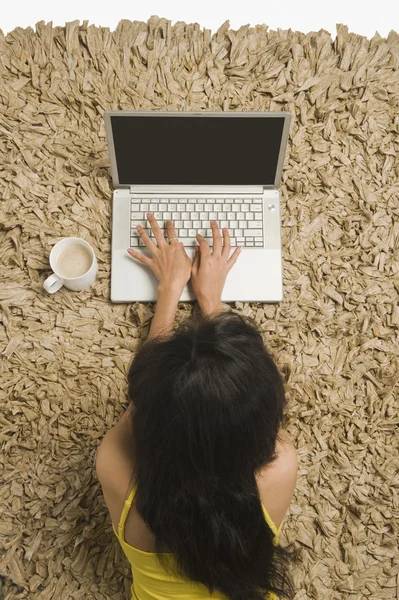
[(193, 167)]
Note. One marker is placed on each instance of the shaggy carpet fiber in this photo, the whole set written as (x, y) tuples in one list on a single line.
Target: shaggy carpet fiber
[(64, 357)]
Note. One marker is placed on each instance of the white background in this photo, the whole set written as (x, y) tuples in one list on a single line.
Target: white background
[(362, 17)]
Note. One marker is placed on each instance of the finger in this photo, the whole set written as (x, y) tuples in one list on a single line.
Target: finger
[(141, 257), (205, 251), (196, 261), (158, 233), (226, 243), (170, 230), (233, 258), (146, 238), (217, 239)]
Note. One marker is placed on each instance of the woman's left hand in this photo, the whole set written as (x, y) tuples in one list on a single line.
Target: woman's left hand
[(169, 261)]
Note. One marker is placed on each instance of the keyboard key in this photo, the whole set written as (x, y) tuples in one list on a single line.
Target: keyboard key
[(258, 243), (204, 216), (178, 224), (190, 207), (188, 224), (236, 208), (185, 216), (218, 208), (192, 233), (245, 208), (175, 216), (197, 224), (191, 241), (163, 207), (253, 232), (240, 216), (213, 216), (233, 224), (238, 232), (224, 224), (153, 207), (144, 207), (136, 200), (134, 242), (247, 200), (206, 224), (253, 225), (231, 216), (258, 216), (256, 208), (182, 233), (195, 216), (223, 216), (242, 224), (208, 208), (227, 207), (137, 215), (167, 216), (249, 216), (249, 243)]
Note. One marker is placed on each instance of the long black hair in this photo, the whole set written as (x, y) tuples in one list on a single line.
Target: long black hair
[(208, 402)]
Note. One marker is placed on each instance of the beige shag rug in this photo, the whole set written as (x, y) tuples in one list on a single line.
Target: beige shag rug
[(64, 357)]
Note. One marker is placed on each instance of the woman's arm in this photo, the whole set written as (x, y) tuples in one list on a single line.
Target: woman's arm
[(165, 311)]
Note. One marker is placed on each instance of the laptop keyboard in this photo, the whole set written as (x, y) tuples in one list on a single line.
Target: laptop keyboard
[(242, 216)]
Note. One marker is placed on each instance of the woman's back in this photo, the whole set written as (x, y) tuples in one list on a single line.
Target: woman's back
[(276, 483), (152, 582)]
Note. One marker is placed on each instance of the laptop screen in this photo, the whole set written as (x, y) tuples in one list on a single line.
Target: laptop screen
[(197, 150)]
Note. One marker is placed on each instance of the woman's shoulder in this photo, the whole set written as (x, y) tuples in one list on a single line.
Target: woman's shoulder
[(276, 482), (114, 463)]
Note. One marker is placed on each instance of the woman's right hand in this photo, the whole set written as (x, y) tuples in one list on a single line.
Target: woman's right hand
[(209, 270)]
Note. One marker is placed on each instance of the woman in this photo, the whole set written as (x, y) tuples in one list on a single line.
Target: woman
[(198, 475)]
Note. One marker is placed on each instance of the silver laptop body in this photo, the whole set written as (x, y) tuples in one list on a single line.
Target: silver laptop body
[(180, 159)]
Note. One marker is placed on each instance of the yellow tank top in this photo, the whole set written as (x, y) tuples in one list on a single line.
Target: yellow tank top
[(152, 582)]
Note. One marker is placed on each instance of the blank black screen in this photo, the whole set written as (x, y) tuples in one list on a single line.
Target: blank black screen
[(197, 150)]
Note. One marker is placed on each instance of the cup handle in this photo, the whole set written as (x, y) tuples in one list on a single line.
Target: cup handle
[(53, 283)]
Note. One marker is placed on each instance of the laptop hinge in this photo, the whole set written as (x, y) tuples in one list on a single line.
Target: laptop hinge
[(196, 189)]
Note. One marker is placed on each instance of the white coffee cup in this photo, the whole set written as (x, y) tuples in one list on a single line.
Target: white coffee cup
[(74, 264)]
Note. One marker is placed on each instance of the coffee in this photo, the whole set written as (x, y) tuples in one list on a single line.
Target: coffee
[(73, 261)]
